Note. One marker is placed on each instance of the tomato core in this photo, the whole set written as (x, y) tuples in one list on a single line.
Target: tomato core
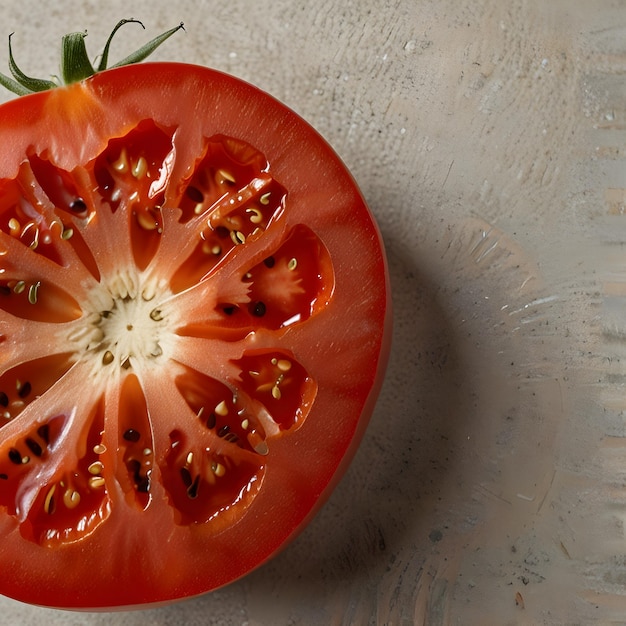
[(119, 325)]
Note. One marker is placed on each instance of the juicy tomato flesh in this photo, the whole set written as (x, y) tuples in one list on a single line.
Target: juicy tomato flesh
[(194, 323)]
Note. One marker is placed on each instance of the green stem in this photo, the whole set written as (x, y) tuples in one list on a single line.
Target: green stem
[(75, 63)]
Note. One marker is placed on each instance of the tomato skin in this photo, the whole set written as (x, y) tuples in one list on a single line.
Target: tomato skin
[(146, 555)]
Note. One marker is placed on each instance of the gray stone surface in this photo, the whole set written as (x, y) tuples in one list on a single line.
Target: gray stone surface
[(488, 138)]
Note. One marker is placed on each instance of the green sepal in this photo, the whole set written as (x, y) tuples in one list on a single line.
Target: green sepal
[(13, 85), (147, 49), (104, 58), (26, 82), (75, 63)]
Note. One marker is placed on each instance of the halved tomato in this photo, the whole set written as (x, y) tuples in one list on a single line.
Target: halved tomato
[(194, 322)]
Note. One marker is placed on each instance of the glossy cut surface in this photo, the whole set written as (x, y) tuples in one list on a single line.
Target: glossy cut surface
[(194, 325)]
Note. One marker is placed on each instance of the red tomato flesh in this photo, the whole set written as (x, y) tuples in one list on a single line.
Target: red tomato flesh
[(194, 324)]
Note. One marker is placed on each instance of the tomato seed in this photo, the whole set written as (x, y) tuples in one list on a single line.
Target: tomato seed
[(121, 165), (223, 431), (211, 421), (185, 474), (23, 389), (149, 292), (5, 290), (270, 261), (237, 237), (156, 315), (218, 469), (48, 504), (44, 432), (78, 205), (258, 309), (95, 468), (131, 435), (71, 498), (34, 447), (146, 220), (265, 198), (221, 409), (95, 482), (194, 194), (224, 176), (32, 292), (140, 168), (35, 242), (255, 216), (283, 365), (15, 456), (4, 399), (14, 227)]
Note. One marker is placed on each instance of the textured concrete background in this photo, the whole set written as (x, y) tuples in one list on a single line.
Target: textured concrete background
[(488, 138)]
